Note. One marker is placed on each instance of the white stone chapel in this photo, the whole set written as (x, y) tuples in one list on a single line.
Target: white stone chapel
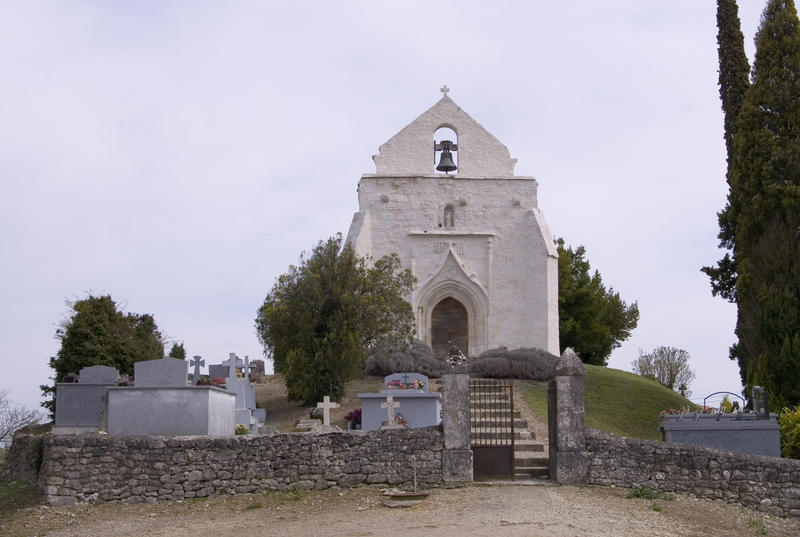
[(474, 237)]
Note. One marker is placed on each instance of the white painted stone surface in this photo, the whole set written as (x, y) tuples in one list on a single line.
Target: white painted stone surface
[(498, 259)]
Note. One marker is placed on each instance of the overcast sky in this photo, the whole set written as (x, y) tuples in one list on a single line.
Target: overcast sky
[(180, 155)]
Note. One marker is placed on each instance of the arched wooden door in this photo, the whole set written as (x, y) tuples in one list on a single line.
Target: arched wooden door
[(449, 326)]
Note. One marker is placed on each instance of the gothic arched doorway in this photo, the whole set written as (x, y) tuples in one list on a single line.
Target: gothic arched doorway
[(449, 326)]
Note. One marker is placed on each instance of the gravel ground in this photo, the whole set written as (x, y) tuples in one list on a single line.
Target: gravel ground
[(499, 511)]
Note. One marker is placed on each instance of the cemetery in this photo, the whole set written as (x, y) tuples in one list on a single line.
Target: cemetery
[(161, 401)]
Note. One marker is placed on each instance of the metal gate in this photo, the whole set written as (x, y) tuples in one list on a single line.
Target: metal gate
[(492, 428)]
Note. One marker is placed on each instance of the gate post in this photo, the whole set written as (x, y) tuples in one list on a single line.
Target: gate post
[(569, 460), (457, 454)]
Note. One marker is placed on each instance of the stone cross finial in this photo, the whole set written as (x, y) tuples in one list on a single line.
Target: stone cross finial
[(444, 89), (197, 362), (326, 405), (390, 405)]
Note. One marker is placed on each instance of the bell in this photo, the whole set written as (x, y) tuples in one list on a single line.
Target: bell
[(446, 163)]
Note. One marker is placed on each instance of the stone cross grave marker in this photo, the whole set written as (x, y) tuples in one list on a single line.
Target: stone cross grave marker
[(231, 364), (326, 405), (197, 362), (246, 368), (390, 405)]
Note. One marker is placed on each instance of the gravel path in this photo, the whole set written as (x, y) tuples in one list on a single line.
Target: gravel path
[(497, 511)]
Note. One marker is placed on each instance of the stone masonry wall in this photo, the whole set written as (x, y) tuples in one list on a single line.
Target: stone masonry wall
[(133, 469), (768, 483)]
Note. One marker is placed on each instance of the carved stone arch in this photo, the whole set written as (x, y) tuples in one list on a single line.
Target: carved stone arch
[(450, 281)]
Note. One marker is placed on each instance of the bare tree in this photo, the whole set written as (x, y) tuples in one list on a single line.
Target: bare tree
[(13, 418), (667, 365)]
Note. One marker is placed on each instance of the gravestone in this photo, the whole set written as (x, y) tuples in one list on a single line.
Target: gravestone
[(197, 362), (405, 381), (246, 412), (161, 373), (410, 391), (326, 405), (80, 406), (390, 405), (222, 370), (98, 374)]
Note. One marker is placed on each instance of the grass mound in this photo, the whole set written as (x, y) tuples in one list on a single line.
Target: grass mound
[(617, 401)]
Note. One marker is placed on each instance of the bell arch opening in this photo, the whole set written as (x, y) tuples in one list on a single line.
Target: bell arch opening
[(449, 327), (445, 133)]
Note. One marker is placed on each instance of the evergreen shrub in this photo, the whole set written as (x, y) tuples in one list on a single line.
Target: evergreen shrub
[(522, 363), (417, 358), (789, 421)]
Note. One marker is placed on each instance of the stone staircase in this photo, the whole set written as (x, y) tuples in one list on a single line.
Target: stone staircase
[(490, 420)]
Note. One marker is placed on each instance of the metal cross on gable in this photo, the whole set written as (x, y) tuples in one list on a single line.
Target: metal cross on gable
[(326, 405), (197, 362)]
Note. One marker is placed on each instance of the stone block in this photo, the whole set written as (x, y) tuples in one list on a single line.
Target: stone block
[(457, 466), (184, 410), (569, 467)]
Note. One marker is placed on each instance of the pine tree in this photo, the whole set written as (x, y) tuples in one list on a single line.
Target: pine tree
[(733, 83), (592, 320), (764, 211)]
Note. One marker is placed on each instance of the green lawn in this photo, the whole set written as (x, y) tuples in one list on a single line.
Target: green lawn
[(616, 401)]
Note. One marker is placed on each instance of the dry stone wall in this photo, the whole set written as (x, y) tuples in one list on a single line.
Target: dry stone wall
[(770, 484), (134, 469)]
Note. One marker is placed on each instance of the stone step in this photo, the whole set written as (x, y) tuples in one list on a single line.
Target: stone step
[(528, 445), (533, 458), (307, 424), (488, 404), (497, 424), (535, 472), (519, 435), (494, 412)]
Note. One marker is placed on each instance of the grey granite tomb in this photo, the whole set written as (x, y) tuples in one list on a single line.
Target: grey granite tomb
[(417, 406), (80, 406), (744, 432), (163, 403)]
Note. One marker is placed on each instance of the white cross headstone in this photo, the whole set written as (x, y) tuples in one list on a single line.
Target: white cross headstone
[(390, 405), (197, 362), (326, 405)]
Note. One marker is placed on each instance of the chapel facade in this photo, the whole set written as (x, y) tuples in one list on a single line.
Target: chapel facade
[(474, 237)]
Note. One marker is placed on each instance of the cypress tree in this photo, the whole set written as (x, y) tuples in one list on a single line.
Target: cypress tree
[(764, 177), (733, 82)]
